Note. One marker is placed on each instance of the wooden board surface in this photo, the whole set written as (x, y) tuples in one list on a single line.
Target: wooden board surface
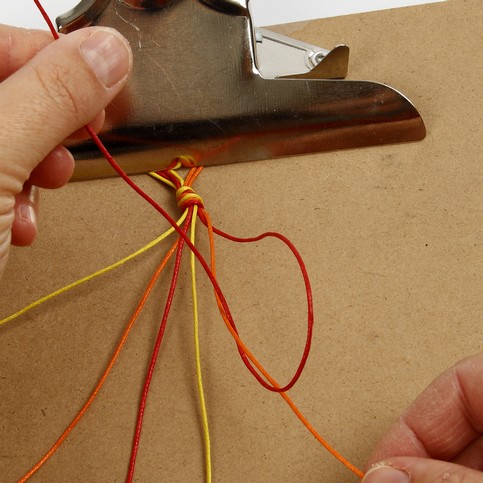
[(393, 240)]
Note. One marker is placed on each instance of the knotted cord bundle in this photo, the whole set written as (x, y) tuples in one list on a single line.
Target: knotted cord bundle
[(192, 206)]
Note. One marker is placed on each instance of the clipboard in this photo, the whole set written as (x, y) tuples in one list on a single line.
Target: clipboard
[(392, 238)]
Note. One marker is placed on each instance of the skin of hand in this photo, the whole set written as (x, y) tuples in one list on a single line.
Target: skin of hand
[(48, 92), (440, 437)]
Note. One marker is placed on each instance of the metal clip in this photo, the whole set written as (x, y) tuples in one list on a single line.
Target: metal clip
[(279, 56), (205, 86)]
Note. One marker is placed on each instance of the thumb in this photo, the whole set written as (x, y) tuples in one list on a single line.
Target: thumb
[(57, 92), (60, 90), (420, 470)]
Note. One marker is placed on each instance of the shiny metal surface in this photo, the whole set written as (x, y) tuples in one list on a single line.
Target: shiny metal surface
[(281, 56), (196, 91), (83, 15), (146, 4)]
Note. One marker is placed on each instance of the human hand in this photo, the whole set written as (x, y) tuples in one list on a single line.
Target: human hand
[(48, 92), (440, 437)]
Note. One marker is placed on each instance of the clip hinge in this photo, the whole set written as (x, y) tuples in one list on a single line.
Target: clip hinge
[(209, 86)]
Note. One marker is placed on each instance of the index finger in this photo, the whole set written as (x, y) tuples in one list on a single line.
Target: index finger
[(445, 419), (18, 46)]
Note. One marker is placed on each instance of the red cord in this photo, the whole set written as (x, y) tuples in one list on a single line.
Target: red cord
[(310, 310), (310, 322), (206, 267), (185, 240), (154, 357), (198, 255), (47, 19)]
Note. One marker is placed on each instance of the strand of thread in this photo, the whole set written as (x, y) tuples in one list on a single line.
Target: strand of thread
[(186, 198)]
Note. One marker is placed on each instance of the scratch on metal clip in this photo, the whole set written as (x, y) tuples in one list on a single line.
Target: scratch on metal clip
[(225, 91), (135, 27)]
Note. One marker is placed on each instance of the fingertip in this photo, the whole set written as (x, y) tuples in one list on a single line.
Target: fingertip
[(62, 88), (405, 469), (18, 46), (109, 56), (24, 227), (55, 170), (381, 473)]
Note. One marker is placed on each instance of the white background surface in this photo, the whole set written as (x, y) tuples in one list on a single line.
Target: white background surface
[(23, 13), (272, 12)]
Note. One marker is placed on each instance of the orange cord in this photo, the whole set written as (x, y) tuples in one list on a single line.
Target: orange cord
[(239, 342), (103, 378), (191, 177), (193, 174), (265, 373)]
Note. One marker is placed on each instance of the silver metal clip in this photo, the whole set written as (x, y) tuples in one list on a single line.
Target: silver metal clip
[(279, 56), (209, 86)]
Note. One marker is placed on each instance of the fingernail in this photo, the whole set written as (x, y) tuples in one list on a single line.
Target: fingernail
[(108, 55), (385, 474), (27, 214)]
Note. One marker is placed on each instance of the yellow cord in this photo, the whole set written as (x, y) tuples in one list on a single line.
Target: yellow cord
[(163, 180), (176, 175), (204, 413), (167, 181), (94, 275)]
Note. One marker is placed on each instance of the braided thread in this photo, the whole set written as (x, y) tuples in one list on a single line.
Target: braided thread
[(186, 198)]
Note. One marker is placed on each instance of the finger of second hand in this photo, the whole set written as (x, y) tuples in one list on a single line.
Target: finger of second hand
[(18, 46), (55, 170), (24, 228), (444, 421), (472, 456)]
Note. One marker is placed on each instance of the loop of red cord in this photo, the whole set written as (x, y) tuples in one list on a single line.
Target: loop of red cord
[(184, 239), (210, 274), (203, 262)]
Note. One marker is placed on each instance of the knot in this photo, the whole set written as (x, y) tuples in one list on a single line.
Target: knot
[(186, 161), (186, 197)]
